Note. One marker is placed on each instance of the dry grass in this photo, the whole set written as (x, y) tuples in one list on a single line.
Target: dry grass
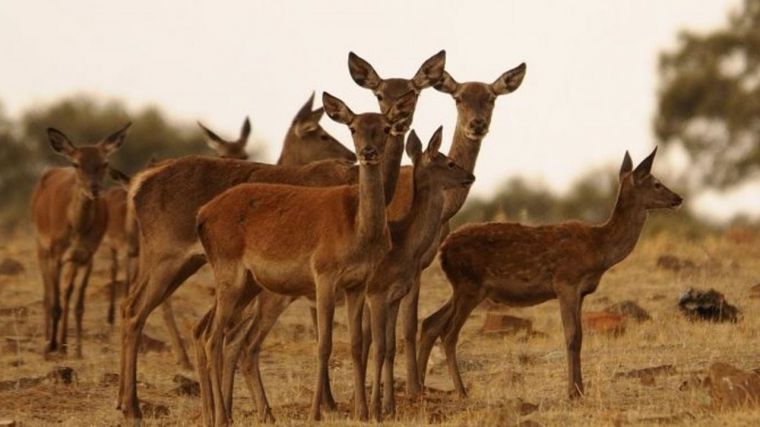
[(498, 370)]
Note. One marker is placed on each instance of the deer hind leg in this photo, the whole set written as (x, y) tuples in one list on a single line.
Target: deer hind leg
[(409, 310), (79, 309), (325, 313), (230, 279), (156, 282), (270, 307), (178, 345), (51, 297), (201, 361), (389, 394), (432, 328), (112, 286), (570, 309), (463, 306)]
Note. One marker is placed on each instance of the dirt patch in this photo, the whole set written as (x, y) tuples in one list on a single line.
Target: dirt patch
[(603, 322)]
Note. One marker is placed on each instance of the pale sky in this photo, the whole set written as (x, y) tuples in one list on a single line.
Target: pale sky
[(589, 93)]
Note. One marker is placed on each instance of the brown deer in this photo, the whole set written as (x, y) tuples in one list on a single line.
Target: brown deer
[(116, 239), (229, 149), (388, 92), (474, 102), (522, 265), (165, 201), (301, 242), (70, 218)]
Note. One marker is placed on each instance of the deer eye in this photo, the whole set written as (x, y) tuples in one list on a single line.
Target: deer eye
[(451, 164), (324, 137), (657, 185), (458, 100), (353, 130), (387, 130), (379, 96)]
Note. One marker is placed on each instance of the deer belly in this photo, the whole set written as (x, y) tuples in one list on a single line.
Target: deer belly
[(288, 277), (519, 293)]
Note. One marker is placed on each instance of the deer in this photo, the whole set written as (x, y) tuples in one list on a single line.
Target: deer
[(475, 103), (165, 201), (70, 217), (521, 265), (389, 93), (301, 241), (121, 231)]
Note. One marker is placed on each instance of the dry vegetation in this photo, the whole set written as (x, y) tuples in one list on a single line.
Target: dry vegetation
[(501, 371)]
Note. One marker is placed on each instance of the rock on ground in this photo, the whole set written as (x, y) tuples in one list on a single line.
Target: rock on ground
[(711, 305), (731, 387)]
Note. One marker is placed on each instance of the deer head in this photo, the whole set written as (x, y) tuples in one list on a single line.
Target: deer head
[(370, 131), (314, 143), (434, 168), (229, 149), (389, 91), (643, 188), (475, 100), (90, 161)]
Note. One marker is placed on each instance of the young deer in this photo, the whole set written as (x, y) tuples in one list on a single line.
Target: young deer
[(70, 218), (521, 265), (411, 237), (301, 241), (165, 201), (229, 149), (474, 102)]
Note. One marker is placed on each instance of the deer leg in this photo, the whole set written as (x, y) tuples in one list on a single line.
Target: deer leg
[(409, 310), (366, 338), (112, 286), (354, 306), (313, 312), (79, 309), (389, 393), (155, 283), (271, 306), (174, 336), (201, 361), (325, 314), (432, 328), (570, 309), (50, 297), (70, 270), (463, 306), (378, 315)]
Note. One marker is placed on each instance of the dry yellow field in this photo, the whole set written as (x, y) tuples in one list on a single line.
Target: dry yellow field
[(499, 370)]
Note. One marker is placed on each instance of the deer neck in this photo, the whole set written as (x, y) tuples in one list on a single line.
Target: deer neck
[(370, 220), (81, 210), (464, 152), (394, 151), (620, 233), (421, 224)]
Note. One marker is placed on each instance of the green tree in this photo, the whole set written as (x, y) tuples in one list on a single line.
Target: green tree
[(709, 100)]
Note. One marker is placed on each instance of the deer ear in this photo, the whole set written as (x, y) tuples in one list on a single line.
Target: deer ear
[(446, 84), (509, 81), (60, 143), (113, 142), (431, 71), (305, 109), (435, 142), (337, 109), (119, 176), (627, 165), (212, 140), (362, 73), (645, 167), (245, 132), (413, 146)]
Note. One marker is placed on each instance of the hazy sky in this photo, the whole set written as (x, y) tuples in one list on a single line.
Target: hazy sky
[(589, 93)]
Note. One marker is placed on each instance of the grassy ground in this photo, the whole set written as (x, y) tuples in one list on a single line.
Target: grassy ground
[(498, 370)]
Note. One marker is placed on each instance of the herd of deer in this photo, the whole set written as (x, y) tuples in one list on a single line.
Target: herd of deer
[(320, 226)]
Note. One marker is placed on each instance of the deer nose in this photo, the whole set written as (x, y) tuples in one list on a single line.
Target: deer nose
[(369, 154), (677, 200), (478, 125)]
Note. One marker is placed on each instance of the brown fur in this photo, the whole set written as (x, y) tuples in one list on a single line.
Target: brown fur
[(522, 265), (70, 219)]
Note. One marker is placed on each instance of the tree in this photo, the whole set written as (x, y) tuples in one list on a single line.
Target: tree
[(709, 100)]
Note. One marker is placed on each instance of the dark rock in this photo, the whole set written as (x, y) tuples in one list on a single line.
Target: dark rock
[(710, 305), (629, 309), (62, 375), (152, 410), (148, 344), (109, 378), (186, 386), (10, 267), (647, 375)]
